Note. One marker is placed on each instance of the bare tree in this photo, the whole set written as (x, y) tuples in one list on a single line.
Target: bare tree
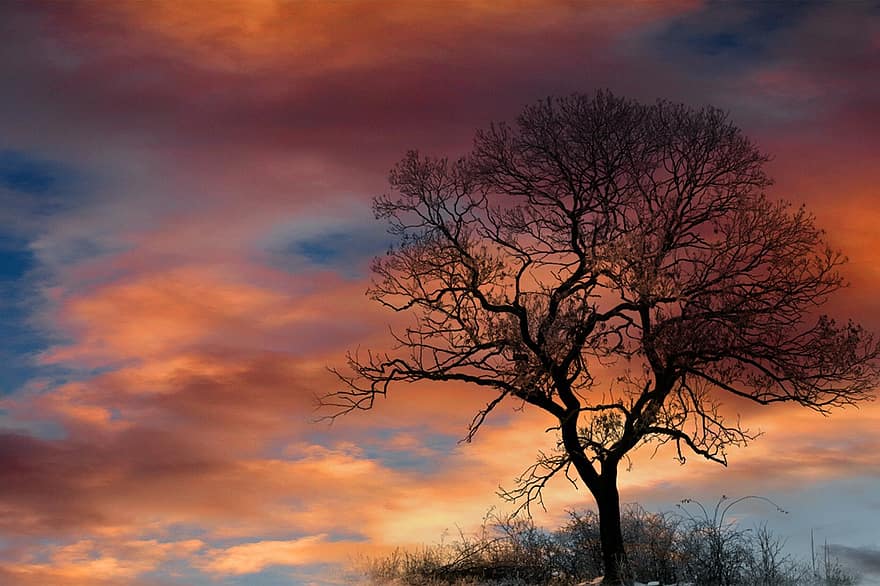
[(618, 266)]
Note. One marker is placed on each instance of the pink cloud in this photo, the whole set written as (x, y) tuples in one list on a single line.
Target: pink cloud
[(215, 138)]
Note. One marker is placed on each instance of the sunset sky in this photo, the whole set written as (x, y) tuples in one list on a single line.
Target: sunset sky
[(185, 234)]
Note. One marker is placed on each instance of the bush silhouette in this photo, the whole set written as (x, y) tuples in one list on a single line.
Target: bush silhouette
[(694, 545)]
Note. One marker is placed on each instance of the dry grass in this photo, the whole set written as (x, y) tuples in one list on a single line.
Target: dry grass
[(679, 547)]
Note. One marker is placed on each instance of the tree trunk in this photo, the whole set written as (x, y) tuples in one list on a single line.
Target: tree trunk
[(610, 533)]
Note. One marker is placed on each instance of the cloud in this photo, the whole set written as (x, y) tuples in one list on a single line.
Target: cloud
[(160, 313), (214, 264), (862, 559), (250, 558), (86, 562)]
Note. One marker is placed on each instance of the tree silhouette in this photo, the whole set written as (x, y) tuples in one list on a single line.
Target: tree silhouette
[(618, 266)]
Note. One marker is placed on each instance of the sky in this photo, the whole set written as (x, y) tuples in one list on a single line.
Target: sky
[(185, 236)]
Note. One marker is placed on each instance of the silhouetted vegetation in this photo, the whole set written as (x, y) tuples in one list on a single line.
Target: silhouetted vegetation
[(691, 546), (618, 266)]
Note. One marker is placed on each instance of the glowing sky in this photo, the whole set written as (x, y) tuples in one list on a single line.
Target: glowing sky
[(184, 240)]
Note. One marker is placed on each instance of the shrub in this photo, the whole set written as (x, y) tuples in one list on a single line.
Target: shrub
[(695, 545)]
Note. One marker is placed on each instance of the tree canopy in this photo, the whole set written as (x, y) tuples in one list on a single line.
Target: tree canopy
[(619, 266)]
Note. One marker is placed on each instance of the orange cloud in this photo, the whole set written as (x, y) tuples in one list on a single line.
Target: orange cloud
[(321, 37), (254, 557), (87, 562), (214, 138)]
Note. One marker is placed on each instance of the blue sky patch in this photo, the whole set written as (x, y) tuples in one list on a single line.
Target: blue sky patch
[(324, 250), (338, 247), (426, 457), (346, 249), (15, 259), (19, 172), (737, 33), (315, 575), (19, 341), (275, 576), (32, 189)]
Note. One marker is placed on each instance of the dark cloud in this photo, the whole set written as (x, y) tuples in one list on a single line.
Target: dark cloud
[(736, 34), (58, 488), (861, 559), (429, 82)]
